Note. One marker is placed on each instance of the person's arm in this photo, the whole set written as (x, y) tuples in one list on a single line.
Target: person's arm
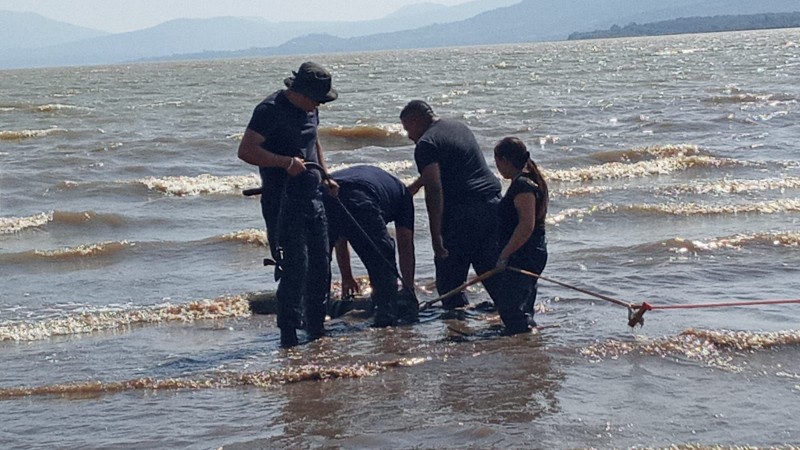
[(405, 253), (525, 205), (349, 285), (330, 184), (434, 201), (415, 186), (251, 152)]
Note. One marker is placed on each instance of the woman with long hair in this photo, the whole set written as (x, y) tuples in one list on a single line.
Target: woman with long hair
[(521, 233)]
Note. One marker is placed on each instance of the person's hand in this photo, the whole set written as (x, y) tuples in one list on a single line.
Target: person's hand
[(331, 187), (296, 167), (350, 287), (439, 250), (502, 263)]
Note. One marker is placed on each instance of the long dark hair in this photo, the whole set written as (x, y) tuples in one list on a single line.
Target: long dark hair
[(514, 151)]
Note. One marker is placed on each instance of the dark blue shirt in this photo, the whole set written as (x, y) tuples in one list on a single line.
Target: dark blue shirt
[(287, 131), (389, 193), (464, 173)]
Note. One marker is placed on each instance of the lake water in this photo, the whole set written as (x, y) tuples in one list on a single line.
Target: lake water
[(128, 255)]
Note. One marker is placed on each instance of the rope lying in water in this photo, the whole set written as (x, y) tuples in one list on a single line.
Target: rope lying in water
[(593, 294), (636, 312), (726, 304), (455, 291)]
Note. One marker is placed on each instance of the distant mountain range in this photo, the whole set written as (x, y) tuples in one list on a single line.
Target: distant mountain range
[(20, 30), (418, 26)]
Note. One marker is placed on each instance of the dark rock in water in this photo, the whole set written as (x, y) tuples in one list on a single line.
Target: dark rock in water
[(266, 303), (263, 303), (340, 307)]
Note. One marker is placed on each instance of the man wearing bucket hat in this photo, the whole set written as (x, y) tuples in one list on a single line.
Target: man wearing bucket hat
[(281, 138)]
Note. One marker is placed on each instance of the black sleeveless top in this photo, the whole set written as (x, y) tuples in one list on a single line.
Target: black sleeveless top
[(508, 216)]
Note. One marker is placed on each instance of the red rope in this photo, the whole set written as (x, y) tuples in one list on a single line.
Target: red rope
[(727, 304), (636, 312)]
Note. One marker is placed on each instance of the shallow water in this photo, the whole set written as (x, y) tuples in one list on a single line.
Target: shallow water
[(128, 255)]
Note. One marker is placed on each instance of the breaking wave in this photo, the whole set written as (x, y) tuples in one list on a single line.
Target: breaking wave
[(249, 236), (362, 135), (736, 96), (735, 186), (692, 209), (718, 187), (18, 135), (53, 107), (89, 322), (739, 241), (618, 170), (647, 153), (714, 348), (9, 225), (579, 191), (69, 253), (104, 248), (263, 379), (364, 131), (199, 185), (678, 209)]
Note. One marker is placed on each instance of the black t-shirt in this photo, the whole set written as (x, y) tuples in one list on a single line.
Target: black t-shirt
[(390, 194), (507, 212), (464, 173), (287, 131)]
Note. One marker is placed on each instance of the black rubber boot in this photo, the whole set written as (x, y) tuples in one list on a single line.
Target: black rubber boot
[(315, 333), (314, 324), (516, 328), (288, 337), (456, 301), (407, 306), (385, 316)]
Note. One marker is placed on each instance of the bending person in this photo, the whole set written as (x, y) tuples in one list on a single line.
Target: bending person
[(521, 232), (370, 198)]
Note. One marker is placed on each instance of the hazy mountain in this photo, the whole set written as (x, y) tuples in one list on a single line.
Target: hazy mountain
[(533, 20), (409, 17), (186, 36), (418, 26), (417, 8), (21, 30)]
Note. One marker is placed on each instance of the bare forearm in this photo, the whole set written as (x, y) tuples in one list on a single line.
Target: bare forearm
[(415, 186), (518, 238), (321, 158), (405, 251), (343, 259), (435, 205)]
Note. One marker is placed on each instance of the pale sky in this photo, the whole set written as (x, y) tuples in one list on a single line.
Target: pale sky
[(128, 15)]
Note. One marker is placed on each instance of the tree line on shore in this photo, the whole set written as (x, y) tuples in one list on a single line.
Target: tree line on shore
[(684, 25)]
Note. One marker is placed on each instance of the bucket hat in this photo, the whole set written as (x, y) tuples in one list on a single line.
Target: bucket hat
[(313, 81)]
